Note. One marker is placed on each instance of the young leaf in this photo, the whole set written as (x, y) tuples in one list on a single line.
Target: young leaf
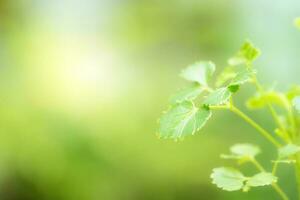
[(228, 179), (183, 119), (288, 150), (233, 88), (281, 133), (247, 54), (218, 97), (245, 150), (236, 60), (293, 92), (243, 76), (242, 153), (272, 97), (190, 93), (261, 179), (226, 75), (200, 72), (296, 103)]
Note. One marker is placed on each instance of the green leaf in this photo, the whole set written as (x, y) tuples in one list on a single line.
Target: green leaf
[(293, 92), (297, 22), (200, 72), (228, 179), (247, 54), (261, 179), (243, 76), (288, 150), (242, 153), (245, 150), (233, 88), (282, 133), (183, 119), (226, 75), (296, 103), (218, 97), (236, 60), (249, 51), (190, 93), (272, 97)]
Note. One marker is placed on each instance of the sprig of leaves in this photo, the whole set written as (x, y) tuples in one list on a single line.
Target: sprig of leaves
[(200, 72), (231, 179), (184, 117), (193, 106), (288, 151), (242, 152), (246, 55)]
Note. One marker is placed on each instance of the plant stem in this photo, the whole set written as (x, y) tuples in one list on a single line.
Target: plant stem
[(270, 107), (276, 187), (257, 165), (297, 174), (293, 123), (274, 171), (280, 192), (291, 136), (261, 130)]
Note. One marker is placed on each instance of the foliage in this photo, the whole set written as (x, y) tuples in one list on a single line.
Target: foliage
[(231, 179), (186, 117)]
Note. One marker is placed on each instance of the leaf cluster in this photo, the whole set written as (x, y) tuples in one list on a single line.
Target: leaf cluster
[(184, 117), (192, 107), (232, 179)]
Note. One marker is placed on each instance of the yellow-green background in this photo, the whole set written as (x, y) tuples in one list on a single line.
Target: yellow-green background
[(83, 82)]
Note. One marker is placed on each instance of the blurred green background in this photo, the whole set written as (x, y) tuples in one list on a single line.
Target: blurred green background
[(84, 82)]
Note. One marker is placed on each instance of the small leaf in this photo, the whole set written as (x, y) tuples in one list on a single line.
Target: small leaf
[(233, 88), (247, 54), (245, 150), (228, 179), (272, 97), (200, 72), (183, 119), (242, 153), (190, 93), (226, 75), (296, 103), (218, 97), (288, 150), (281, 133), (243, 76), (297, 22), (293, 92), (236, 60), (261, 179)]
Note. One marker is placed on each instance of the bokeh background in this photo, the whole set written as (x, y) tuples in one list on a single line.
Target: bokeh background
[(84, 82)]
